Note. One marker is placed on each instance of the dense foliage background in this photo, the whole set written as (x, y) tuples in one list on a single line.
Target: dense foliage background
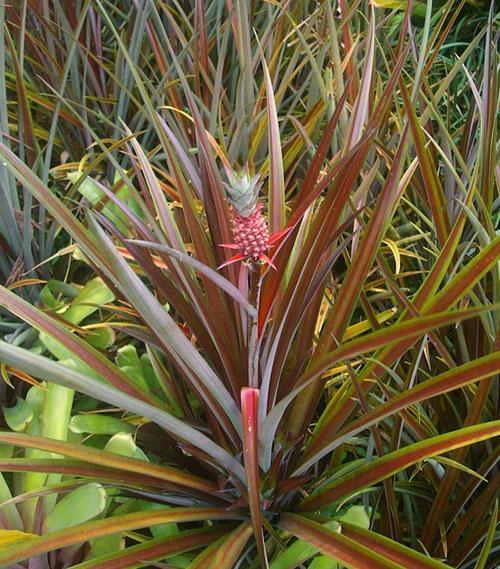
[(334, 405)]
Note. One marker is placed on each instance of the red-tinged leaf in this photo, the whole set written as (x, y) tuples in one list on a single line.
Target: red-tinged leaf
[(434, 190), (396, 333), (464, 280), (115, 524), (455, 378), (105, 459), (427, 301), (81, 349), (250, 421), (489, 115), (103, 253), (223, 283), (43, 368), (230, 549), (201, 52), (385, 466), (487, 547), (156, 549), (233, 259), (365, 253), (205, 558), (88, 470), (328, 216), (390, 549), (277, 180), (334, 544), (210, 386), (361, 108)]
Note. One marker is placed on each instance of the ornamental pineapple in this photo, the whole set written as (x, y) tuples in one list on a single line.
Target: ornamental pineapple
[(250, 232)]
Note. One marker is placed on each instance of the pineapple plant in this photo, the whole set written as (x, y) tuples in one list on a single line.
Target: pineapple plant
[(307, 417)]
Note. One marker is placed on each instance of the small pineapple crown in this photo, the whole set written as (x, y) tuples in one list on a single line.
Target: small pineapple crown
[(242, 191)]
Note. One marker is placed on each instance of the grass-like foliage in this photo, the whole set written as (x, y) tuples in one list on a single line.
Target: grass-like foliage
[(259, 309)]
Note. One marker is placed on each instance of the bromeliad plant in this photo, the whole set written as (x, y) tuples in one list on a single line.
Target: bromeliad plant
[(298, 268)]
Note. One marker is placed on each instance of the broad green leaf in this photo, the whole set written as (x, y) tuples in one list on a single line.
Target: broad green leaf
[(101, 338), (356, 516), (126, 356), (78, 506), (124, 444), (164, 530), (104, 546), (19, 416), (323, 562), (93, 295), (93, 192), (99, 424)]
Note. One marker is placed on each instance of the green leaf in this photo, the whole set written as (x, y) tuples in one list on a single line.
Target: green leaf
[(93, 192), (323, 562), (92, 296), (164, 530), (78, 506), (104, 546), (124, 444), (19, 416), (357, 516), (101, 338), (99, 424)]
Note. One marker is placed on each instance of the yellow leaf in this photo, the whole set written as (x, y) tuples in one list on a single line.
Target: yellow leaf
[(397, 4), (10, 536)]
